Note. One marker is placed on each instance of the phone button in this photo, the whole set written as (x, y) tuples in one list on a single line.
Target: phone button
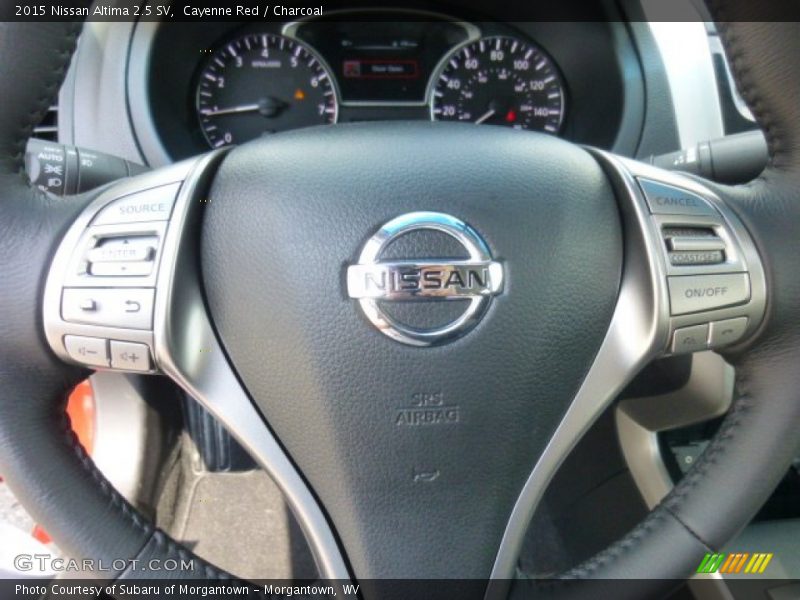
[(727, 331)]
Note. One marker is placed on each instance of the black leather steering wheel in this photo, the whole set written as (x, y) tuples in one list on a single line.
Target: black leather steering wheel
[(253, 266)]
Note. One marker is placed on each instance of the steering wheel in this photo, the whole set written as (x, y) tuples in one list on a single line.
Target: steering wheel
[(408, 325)]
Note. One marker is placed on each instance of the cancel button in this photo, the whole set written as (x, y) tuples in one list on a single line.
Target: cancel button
[(696, 293), (669, 200)]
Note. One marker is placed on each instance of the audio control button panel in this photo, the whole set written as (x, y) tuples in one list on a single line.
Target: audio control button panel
[(101, 293)]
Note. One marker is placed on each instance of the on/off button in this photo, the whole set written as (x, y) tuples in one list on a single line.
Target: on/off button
[(695, 293)]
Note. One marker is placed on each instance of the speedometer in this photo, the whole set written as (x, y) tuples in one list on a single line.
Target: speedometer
[(499, 80), (262, 83)]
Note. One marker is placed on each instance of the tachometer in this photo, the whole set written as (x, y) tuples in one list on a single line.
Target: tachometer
[(262, 83), (499, 80)]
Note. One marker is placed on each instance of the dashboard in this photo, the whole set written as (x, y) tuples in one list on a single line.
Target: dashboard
[(215, 84)]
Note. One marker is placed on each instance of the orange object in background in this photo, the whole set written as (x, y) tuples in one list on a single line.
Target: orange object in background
[(80, 408), (41, 535)]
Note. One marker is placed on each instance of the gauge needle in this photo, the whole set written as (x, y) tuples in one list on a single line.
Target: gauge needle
[(485, 116), (233, 109), (268, 107)]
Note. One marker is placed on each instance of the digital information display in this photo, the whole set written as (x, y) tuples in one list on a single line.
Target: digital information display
[(380, 69)]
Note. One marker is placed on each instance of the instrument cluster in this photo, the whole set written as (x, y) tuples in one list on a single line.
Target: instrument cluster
[(262, 83), (217, 84)]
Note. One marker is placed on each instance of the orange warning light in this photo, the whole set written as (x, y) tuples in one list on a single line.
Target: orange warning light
[(299, 94)]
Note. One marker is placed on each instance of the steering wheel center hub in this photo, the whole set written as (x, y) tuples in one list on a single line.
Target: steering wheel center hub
[(472, 281)]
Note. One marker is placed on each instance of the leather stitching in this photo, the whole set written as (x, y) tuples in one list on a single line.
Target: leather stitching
[(714, 451), (50, 87), (612, 553), (161, 539), (676, 497), (745, 85), (687, 528), (87, 463)]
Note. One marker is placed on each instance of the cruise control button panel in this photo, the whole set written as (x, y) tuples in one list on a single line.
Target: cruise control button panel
[(127, 308), (714, 279)]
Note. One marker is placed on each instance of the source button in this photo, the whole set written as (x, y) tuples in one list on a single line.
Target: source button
[(154, 204)]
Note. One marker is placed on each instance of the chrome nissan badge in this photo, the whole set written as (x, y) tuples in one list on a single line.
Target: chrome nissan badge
[(382, 284)]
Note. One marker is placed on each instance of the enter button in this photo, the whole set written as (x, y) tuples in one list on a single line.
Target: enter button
[(695, 293)]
